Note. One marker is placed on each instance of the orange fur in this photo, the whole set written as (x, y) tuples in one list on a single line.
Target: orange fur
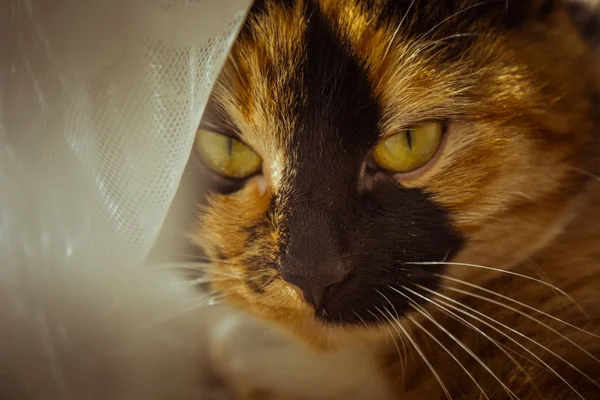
[(522, 118)]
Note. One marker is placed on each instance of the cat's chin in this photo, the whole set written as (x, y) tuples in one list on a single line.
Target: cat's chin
[(303, 324), (324, 336), (281, 307)]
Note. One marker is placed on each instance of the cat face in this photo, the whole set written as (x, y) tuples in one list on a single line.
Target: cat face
[(358, 149)]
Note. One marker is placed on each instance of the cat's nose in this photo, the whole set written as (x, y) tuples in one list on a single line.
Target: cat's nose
[(313, 290), (314, 256)]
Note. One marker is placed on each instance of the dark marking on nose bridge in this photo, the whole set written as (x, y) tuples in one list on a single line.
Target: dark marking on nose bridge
[(340, 112), (337, 120), (336, 125)]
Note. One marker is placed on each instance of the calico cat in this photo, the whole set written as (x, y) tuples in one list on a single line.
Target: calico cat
[(421, 173)]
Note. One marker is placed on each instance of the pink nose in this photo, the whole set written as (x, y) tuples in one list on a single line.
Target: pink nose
[(297, 290), (311, 294)]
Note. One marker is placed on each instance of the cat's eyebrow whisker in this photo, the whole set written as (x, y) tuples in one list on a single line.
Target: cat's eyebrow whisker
[(508, 272), (462, 282), (477, 316), (421, 353), (391, 42), (455, 15), (420, 48), (423, 312), (464, 292), (417, 47), (498, 345), (457, 35)]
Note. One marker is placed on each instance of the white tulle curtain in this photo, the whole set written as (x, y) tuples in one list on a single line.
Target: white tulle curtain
[(99, 103)]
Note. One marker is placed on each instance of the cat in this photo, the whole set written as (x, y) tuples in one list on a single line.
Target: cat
[(419, 175)]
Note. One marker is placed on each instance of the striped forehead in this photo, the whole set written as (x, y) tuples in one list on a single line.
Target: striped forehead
[(307, 78), (294, 85)]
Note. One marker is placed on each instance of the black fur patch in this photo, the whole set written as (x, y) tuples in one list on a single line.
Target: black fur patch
[(345, 249)]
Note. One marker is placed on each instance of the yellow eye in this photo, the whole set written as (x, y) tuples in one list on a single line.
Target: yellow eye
[(227, 156), (409, 149)]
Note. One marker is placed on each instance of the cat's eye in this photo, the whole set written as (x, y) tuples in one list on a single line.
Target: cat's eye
[(409, 149), (227, 156)]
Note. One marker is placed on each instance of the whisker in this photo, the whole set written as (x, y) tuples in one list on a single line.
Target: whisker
[(429, 365), (216, 276), (360, 318), (464, 292), (400, 358), (206, 268), (476, 329), (586, 173), (416, 307), (562, 292), (199, 304), (389, 46), (519, 303), (202, 281), (191, 266), (455, 15), (450, 354), (206, 259), (399, 335), (473, 311), (536, 268), (421, 48), (444, 309)]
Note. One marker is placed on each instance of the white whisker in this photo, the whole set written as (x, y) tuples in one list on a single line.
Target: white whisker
[(459, 342), (519, 303), (198, 304), (391, 42), (562, 292), (427, 45), (400, 358), (360, 318), (431, 336), (454, 15), (418, 349), (399, 335), (204, 280), (476, 329), (464, 292), (471, 313)]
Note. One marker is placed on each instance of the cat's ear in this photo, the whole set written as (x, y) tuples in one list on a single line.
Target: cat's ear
[(520, 11)]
